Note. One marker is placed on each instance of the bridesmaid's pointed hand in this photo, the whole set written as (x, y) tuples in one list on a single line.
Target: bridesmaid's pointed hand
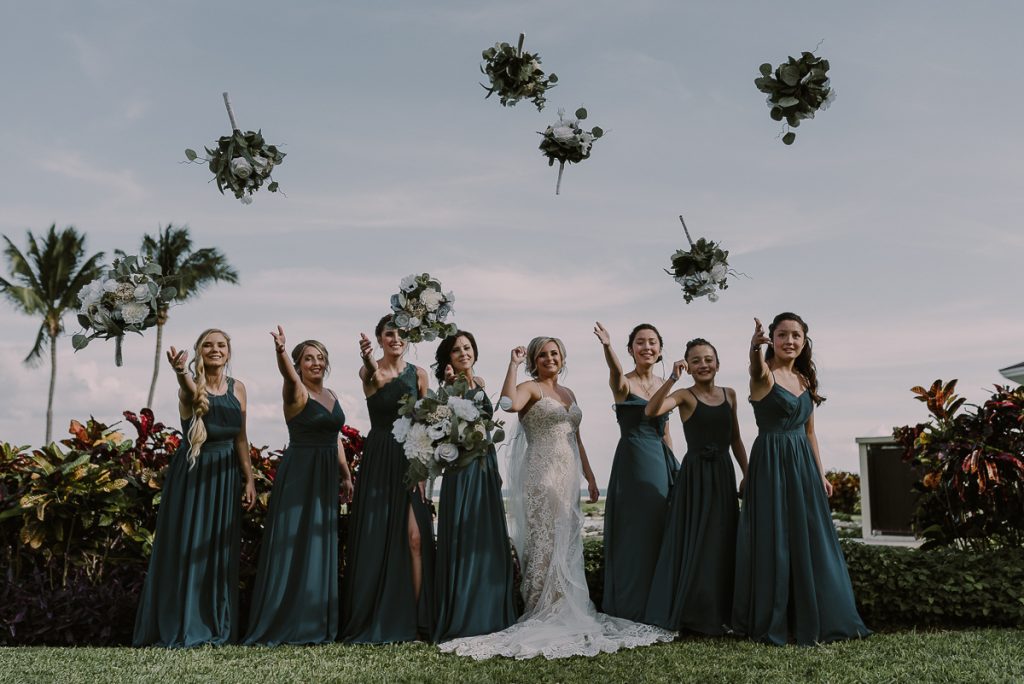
[(449, 374), (365, 346), (602, 334), (518, 356), (279, 341), (759, 337), (678, 368), (249, 496), (177, 359)]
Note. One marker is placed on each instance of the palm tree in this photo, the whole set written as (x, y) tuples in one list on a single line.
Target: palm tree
[(45, 281), (189, 271)]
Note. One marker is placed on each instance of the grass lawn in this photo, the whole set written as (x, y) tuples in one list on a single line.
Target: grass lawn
[(973, 656)]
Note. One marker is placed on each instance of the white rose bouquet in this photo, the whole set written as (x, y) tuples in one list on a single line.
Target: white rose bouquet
[(566, 141), (126, 298), (420, 309), (515, 75), (446, 429), (240, 162), (702, 270)]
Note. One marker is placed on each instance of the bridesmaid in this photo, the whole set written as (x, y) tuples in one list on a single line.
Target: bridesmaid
[(642, 473), (474, 561), (791, 577), (387, 592), (191, 592), (693, 583), (295, 596)]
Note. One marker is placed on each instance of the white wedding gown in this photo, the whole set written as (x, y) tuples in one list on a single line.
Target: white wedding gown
[(547, 526)]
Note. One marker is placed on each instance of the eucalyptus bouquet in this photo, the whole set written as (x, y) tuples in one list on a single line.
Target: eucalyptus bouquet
[(126, 298), (421, 308), (515, 75), (702, 270), (796, 90), (566, 141), (240, 162), (446, 429)]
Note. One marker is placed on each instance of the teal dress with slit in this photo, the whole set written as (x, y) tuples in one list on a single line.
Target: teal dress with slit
[(474, 560), (693, 582), (635, 505), (190, 596), (378, 602), (791, 577), (295, 596)]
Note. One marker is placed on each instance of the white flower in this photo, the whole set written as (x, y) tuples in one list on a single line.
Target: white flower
[(563, 133), (110, 285), (401, 320), (241, 167), (418, 443), (408, 283), (829, 99), (414, 322), (440, 429), (431, 299), (464, 408), (246, 199), (719, 271), (449, 297), (712, 297), (142, 293), (262, 165), (400, 429), (446, 451), (134, 313)]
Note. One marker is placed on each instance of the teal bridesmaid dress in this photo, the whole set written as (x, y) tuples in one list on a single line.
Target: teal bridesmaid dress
[(190, 596), (635, 505), (295, 596), (378, 602), (791, 577), (693, 582), (474, 559)]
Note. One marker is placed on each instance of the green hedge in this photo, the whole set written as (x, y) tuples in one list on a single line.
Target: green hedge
[(900, 587)]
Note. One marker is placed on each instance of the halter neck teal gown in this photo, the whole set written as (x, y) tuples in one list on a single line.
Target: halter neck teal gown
[(295, 596), (693, 583), (190, 596), (791, 577), (378, 602), (635, 507), (474, 561)]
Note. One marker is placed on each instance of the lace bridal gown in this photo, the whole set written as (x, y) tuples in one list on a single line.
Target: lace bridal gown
[(544, 485)]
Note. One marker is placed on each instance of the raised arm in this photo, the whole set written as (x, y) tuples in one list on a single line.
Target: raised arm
[(616, 377), (291, 390), (515, 398), (664, 400), (186, 385), (760, 383), (368, 371)]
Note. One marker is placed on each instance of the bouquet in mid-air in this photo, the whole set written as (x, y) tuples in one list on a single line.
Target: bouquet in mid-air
[(421, 309), (702, 270), (567, 141), (448, 428), (515, 75), (796, 89), (126, 298)]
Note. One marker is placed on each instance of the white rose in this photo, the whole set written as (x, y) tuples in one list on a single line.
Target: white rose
[(440, 429), (134, 313), (142, 293), (110, 285), (241, 167), (431, 299), (464, 408), (262, 165), (408, 283), (400, 429), (563, 133), (712, 297), (446, 451), (414, 322), (718, 272)]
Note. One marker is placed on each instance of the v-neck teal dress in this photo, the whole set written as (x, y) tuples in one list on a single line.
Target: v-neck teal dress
[(378, 602), (295, 596), (791, 577)]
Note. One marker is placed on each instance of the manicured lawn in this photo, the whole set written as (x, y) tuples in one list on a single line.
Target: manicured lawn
[(974, 656)]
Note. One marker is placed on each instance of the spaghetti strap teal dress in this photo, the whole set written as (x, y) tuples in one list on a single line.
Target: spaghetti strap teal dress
[(190, 596), (378, 602), (635, 506), (791, 577), (474, 560), (295, 596), (693, 582)]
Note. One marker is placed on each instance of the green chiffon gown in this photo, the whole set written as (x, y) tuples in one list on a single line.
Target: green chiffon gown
[(474, 560), (791, 577), (295, 596), (635, 505), (693, 582), (378, 602), (190, 596)]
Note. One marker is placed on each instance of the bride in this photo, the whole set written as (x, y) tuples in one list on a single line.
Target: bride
[(546, 524)]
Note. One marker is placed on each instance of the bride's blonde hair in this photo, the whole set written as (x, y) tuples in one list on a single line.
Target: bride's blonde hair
[(201, 400), (536, 344)]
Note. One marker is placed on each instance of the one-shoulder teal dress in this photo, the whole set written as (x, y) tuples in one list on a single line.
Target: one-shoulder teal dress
[(378, 602), (190, 596), (791, 577), (635, 505), (474, 560), (693, 583), (295, 596)]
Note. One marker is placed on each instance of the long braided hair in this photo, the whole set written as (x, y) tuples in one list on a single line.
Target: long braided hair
[(201, 399), (804, 364)]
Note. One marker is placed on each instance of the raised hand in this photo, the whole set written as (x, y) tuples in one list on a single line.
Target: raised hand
[(279, 341), (449, 374), (177, 359), (365, 346), (759, 337), (518, 356), (678, 368), (602, 334)]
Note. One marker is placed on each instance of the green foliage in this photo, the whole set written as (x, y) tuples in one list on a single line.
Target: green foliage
[(240, 162), (972, 487), (845, 492), (796, 90), (515, 75)]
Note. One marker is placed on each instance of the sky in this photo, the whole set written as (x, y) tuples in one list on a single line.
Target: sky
[(891, 225)]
